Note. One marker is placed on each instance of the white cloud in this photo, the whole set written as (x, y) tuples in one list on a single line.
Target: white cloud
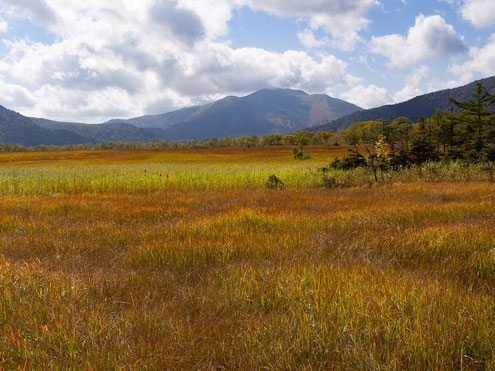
[(131, 58), (33, 9), (430, 37), (408, 92), (367, 96), (482, 62), (19, 96), (411, 88), (436, 84), (308, 39), (481, 13), (417, 75)]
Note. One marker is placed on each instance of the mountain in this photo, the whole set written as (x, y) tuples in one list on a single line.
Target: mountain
[(261, 113), (18, 129), (423, 105), (264, 112), (98, 133)]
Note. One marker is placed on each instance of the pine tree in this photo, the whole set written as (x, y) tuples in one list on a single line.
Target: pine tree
[(478, 121)]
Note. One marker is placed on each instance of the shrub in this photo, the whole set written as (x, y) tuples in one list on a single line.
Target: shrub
[(329, 181), (354, 160), (274, 182), (299, 155)]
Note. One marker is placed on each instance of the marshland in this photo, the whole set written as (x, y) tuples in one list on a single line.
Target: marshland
[(188, 258)]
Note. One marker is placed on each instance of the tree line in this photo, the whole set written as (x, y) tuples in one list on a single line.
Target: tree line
[(296, 139), (468, 136)]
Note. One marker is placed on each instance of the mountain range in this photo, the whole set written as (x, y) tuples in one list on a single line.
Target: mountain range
[(261, 113), (98, 133), (264, 112), (420, 106)]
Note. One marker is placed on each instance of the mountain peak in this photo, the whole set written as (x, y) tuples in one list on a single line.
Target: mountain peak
[(263, 112), (279, 91)]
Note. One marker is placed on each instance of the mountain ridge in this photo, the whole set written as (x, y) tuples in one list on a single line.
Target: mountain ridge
[(420, 106), (18, 129), (98, 133), (263, 112)]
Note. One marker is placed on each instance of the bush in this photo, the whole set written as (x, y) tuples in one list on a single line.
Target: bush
[(354, 160), (398, 160), (299, 155), (274, 182), (329, 181)]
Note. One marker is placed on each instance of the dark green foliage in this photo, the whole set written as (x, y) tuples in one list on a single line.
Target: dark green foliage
[(274, 182), (468, 136), (421, 151), (299, 155), (490, 153), (355, 159), (399, 160), (273, 140)]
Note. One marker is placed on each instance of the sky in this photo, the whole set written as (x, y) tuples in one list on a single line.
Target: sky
[(94, 60)]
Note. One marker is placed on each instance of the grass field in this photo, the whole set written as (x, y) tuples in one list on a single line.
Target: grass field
[(186, 260)]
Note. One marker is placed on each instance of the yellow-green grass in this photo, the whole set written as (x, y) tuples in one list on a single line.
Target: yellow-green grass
[(69, 172), (147, 171), (396, 276)]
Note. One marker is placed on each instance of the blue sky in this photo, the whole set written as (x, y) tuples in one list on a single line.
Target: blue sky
[(90, 61)]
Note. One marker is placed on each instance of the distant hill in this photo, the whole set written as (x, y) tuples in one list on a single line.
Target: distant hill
[(423, 105), (264, 112), (18, 129), (98, 133)]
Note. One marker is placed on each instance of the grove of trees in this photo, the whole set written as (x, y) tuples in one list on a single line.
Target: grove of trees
[(468, 135)]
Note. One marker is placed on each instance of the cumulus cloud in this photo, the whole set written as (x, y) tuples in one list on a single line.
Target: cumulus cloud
[(482, 62), (411, 88), (149, 57), (19, 96), (430, 37), (408, 92), (367, 96), (182, 23), (34, 9), (481, 13), (308, 39)]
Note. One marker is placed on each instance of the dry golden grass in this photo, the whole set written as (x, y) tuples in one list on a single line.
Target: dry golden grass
[(398, 276)]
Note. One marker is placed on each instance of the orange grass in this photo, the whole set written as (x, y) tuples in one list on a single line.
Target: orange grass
[(393, 277), (170, 155)]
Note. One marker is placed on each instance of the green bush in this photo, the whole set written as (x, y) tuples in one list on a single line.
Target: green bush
[(274, 182)]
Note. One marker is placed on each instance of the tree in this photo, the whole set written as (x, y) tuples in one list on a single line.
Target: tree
[(303, 138), (479, 125), (476, 117), (273, 140), (399, 132)]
